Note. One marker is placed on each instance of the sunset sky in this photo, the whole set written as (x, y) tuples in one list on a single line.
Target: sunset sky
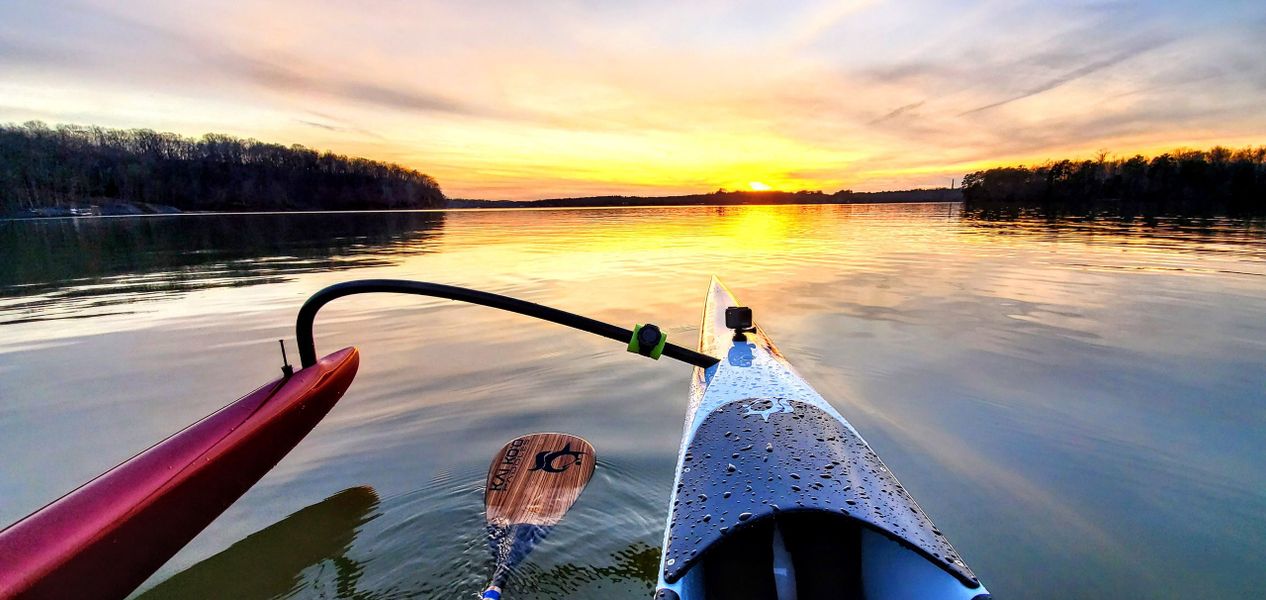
[(544, 99)]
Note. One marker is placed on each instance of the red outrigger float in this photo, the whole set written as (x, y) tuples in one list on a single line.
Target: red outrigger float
[(105, 538)]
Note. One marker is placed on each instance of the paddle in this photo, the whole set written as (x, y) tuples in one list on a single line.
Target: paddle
[(532, 483)]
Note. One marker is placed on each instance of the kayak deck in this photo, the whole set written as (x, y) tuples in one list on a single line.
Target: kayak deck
[(777, 496)]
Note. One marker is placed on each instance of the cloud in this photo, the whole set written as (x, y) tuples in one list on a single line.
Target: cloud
[(1073, 75), (289, 79), (901, 110), (27, 54), (321, 125), (820, 19), (166, 55), (325, 124)]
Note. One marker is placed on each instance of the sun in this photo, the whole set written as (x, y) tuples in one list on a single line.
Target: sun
[(758, 186)]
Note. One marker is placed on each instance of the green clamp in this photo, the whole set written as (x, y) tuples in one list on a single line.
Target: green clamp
[(648, 340)]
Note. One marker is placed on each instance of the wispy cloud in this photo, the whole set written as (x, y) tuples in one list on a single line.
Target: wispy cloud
[(290, 80), (901, 110), (1074, 74)]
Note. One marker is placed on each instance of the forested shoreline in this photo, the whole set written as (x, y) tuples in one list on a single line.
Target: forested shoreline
[(71, 169), (1218, 181), (46, 168)]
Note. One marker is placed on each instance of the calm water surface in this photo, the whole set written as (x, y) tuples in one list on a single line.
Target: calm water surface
[(1079, 406)]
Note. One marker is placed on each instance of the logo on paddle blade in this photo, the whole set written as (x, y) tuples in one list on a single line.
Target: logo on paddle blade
[(549, 461), (504, 471)]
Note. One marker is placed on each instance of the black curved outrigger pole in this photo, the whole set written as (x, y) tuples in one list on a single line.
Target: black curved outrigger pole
[(307, 314)]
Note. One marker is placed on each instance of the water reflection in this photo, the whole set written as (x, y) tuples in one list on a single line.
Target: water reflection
[(1078, 403), (1243, 235), (75, 268), (633, 567), (271, 562)]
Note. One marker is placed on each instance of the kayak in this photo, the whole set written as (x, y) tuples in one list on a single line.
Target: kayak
[(778, 497)]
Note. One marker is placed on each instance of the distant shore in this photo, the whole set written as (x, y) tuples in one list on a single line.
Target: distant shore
[(724, 198), (109, 207)]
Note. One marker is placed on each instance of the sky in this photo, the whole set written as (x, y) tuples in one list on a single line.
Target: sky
[(524, 100)]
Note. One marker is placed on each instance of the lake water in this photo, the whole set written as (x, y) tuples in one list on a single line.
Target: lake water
[(1078, 405)]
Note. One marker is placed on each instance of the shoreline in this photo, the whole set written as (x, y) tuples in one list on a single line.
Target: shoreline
[(497, 206), (112, 207)]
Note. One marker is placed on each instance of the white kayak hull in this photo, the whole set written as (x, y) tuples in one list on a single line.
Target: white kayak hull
[(777, 497)]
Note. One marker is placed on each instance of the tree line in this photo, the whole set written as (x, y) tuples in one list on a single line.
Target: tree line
[(1219, 181), (71, 165)]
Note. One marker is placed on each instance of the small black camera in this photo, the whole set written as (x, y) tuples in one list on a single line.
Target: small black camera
[(738, 318)]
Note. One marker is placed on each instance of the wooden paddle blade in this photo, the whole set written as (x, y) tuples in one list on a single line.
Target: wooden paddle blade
[(535, 479)]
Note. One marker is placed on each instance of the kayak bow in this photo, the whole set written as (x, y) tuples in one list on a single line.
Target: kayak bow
[(778, 497)]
